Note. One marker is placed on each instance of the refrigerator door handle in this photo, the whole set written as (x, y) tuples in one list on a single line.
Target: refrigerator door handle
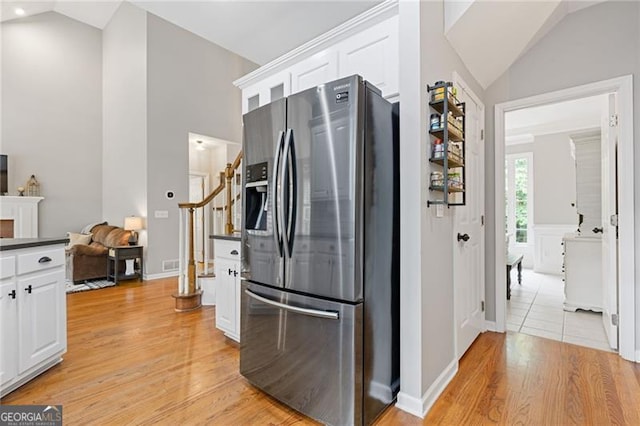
[(277, 226), (296, 309), (284, 183), (292, 180)]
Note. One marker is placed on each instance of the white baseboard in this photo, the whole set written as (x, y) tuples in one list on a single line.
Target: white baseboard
[(169, 274), (491, 325), (410, 405), (638, 356), (420, 407)]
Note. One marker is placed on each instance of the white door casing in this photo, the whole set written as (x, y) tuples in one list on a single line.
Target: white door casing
[(623, 88), (468, 257), (609, 140)]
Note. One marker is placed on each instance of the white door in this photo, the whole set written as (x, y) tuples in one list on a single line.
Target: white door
[(468, 256), (609, 138), (196, 194), (42, 318)]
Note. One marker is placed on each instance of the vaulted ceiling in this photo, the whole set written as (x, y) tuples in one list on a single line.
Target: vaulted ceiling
[(488, 35), (259, 30)]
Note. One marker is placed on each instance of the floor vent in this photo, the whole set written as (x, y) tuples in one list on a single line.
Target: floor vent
[(170, 265)]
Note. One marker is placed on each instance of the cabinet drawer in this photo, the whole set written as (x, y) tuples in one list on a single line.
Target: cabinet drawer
[(227, 249), (7, 267), (39, 260)]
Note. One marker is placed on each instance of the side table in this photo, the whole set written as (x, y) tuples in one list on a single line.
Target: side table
[(114, 258)]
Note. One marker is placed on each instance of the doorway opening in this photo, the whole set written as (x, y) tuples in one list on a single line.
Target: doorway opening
[(208, 157), (549, 230)]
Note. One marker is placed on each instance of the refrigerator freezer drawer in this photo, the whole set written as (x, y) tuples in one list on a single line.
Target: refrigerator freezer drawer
[(304, 351)]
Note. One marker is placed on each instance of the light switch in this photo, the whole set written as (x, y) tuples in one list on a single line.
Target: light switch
[(439, 210), (161, 214)]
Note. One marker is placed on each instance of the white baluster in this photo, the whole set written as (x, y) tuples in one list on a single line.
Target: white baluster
[(181, 263)]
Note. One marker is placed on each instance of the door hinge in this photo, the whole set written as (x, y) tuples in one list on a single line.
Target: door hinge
[(614, 319), (613, 220), (482, 305), (481, 134), (613, 120), (482, 220)]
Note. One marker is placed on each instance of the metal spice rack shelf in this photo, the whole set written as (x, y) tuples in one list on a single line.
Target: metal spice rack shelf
[(443, 101)]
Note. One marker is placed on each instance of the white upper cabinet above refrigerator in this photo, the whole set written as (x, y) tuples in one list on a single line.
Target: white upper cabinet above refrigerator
[(373, 54), (366, 45), (313, 71)]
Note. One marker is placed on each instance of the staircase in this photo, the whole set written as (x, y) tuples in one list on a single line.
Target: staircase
[(220, 210)]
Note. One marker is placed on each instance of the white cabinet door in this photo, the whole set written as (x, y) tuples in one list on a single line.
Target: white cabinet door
[(42, 317), (268, 90), (374, 55), (226, 296), (8, 331), (318, 69)]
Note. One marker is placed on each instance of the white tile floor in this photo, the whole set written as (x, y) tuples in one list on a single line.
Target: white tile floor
[(535, 308)]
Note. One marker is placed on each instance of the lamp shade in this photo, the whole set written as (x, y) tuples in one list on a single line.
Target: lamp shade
[(132, 223)]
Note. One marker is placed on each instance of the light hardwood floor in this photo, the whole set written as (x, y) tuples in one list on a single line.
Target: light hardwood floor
[(133, 360)]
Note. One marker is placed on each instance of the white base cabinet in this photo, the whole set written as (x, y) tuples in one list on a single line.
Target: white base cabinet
[(582, 273), (33, 314), (227, 268)]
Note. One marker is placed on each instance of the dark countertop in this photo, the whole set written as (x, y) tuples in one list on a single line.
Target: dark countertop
[(20, 243), (231, 237)]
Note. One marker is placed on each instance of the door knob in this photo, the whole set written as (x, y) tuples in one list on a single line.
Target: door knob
[(463, 237), (597, 230)]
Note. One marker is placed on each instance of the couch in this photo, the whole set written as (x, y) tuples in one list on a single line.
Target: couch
[(89, 261)]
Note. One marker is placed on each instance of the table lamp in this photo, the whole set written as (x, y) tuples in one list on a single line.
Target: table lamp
[(133, 224)]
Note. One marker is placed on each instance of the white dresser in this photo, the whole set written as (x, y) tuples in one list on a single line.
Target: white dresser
[(582, 273)]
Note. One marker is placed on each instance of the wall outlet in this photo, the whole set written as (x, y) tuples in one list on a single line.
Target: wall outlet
[(161, 214)]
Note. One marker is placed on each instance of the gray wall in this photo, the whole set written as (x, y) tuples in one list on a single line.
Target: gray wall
[(427, 297), (189, 89), (52, 116), (593, 44), (124, 152)]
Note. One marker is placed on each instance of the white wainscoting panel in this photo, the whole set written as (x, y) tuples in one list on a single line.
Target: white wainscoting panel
[(548, 247)]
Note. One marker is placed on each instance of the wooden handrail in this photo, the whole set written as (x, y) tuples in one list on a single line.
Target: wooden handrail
[(236, 162), (228, 173), (206, 201)]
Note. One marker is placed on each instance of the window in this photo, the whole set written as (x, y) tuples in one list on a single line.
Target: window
[(519, 197)]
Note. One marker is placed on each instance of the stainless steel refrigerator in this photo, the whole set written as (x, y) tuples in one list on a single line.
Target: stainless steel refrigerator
[(320, 279)]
